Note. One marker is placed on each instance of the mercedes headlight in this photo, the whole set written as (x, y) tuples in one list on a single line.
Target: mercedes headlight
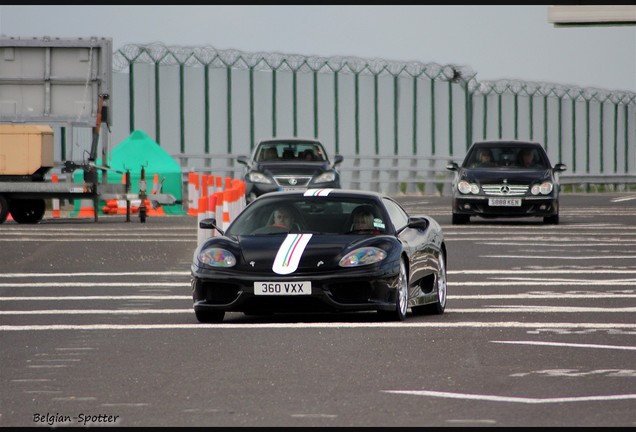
[(544, 188), (466, 188)]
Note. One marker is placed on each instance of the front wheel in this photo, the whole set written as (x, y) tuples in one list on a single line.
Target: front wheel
[(551, 220), (4, 209), (401, 297), (27, 211), (460, 219), (209, 316)]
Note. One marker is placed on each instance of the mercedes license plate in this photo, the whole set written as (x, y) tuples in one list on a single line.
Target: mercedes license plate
[(282, 288), (504, 202)]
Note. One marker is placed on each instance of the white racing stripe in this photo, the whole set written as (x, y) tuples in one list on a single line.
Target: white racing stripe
[(290, 252)]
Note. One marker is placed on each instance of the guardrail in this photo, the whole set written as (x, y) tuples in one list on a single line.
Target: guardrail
[(393, 174)]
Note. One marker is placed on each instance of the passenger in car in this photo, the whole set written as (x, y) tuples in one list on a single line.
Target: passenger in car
[(308, 155), (527, 159), (363, 220), (485, 158), (270, 154)]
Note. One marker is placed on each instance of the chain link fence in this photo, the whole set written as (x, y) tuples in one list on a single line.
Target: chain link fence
[(404, 119)]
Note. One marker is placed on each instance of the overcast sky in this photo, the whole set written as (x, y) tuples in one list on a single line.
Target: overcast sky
[(497, 42)]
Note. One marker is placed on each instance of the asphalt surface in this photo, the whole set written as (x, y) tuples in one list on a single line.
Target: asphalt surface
[(97, 329)]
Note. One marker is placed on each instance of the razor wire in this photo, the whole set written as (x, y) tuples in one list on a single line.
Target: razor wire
[(208, 56)]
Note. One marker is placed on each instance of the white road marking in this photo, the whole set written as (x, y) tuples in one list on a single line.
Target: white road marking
[(400, 325), (625, 198), (559, 344), (94, 284), (511, 283), (101, 274), (493, 398), (544, 271), (505, 282), (552, 257), (540, 295), (578, 271), (484, 309), (93, 239)]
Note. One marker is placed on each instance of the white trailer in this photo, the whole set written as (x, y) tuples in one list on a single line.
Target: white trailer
[(55, 82)]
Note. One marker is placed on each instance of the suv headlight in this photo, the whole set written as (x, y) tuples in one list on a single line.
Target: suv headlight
[(256, 177), (325, 177)]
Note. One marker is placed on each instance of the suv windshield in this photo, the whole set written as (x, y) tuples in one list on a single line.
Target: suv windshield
[(287, 151)]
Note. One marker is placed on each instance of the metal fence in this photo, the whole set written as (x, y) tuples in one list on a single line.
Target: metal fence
[(396, 123)]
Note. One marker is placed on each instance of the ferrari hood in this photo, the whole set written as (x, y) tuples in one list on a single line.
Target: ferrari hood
[(292, 252)]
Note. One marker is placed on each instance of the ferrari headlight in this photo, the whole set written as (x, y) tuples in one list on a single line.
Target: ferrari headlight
[(544, 188), (217, 257), (256, 177), (465, 187), (325, 177), (362, 256)]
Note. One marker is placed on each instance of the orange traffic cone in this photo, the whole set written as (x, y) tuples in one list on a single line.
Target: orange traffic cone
[(86, 209)]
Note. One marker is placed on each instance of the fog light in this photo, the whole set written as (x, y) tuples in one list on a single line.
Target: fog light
[(466, 206), (543, 207)]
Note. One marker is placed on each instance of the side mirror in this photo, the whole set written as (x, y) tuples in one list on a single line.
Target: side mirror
[(210, 223), (337, 159), (452, 166), (418, 223), (243, 160), (560, 167)]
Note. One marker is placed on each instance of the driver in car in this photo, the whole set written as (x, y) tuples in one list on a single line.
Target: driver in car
[(282, 218)]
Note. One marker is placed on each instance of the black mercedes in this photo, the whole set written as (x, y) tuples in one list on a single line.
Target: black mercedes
[(503, 179)]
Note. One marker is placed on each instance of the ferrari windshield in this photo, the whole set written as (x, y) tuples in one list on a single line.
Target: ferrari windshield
[(318, 215)]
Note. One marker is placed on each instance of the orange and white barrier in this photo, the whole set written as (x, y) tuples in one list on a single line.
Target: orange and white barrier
[(193, 193), (203, 210), (219, 208), (55, 202), (118, 207), (219, 198), (156, 186)]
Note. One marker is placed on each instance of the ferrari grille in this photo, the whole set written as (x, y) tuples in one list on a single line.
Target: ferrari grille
[(504, 189)]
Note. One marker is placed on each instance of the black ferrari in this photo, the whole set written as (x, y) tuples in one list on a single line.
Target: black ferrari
[(506, 179), (321, 250)]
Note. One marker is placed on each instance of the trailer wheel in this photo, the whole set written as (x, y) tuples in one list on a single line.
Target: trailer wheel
[(4, 209), (27, 211)]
